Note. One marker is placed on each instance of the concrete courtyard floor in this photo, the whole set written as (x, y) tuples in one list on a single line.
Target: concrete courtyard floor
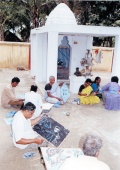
[(93, 119)]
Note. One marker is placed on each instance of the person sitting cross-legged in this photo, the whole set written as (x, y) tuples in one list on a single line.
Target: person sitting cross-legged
[(89, 161), (23, 134), (111, 94), (96, 87), (56, 93), (8, 97), (86, 95)]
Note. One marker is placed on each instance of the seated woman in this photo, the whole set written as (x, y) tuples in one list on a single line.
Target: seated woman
[(96, 87), (85, 93), (111, 96)]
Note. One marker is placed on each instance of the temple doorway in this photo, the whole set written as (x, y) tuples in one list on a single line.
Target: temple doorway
[(63, 62)]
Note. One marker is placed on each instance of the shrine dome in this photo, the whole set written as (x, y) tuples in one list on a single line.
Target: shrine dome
[(61, 15)]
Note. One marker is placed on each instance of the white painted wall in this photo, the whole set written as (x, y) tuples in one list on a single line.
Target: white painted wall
[(116, 60), (76, 82), (39, 57), (52, 55), (79, 50), (33, 54), (44, 55)]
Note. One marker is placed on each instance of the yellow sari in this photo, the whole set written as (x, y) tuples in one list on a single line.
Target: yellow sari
[(88, 99)]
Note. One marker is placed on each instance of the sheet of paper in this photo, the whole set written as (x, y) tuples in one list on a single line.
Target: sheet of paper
[(20, 96), (55, 157), (47, 106)]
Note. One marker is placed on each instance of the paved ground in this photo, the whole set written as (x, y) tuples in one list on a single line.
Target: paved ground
[(83, 119)]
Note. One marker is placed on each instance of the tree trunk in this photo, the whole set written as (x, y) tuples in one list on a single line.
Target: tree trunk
[(1, 33), (35, 16)]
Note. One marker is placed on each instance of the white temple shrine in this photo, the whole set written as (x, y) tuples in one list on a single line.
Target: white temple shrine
[(63, 43)]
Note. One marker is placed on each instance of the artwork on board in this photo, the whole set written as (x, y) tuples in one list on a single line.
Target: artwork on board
[(51, 130), (55, 157)]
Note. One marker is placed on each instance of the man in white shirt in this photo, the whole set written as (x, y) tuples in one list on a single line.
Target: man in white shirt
[(8, 97), (23, 134), (89, 161), (34, 98)]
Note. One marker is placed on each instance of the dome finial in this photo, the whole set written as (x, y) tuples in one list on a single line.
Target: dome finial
[(61, 15)]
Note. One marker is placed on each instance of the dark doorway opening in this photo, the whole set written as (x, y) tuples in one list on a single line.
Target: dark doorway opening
[(63, 59)]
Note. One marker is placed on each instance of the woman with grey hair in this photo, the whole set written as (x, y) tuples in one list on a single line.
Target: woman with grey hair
[(91, 148)]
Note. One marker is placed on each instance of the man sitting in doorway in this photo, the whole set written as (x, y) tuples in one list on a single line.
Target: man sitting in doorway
[(8, 95), (89, 161), (56, 93)]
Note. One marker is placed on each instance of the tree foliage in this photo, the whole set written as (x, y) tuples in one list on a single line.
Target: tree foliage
[(99, 13), (22, 15)]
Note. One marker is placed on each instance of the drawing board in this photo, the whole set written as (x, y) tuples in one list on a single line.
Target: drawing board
[(51, 130)]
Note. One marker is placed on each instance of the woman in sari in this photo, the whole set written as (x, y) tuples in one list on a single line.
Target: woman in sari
[(96, 87), (85, 93)]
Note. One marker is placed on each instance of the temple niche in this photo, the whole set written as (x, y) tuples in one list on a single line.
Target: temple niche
[(63, 62)]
